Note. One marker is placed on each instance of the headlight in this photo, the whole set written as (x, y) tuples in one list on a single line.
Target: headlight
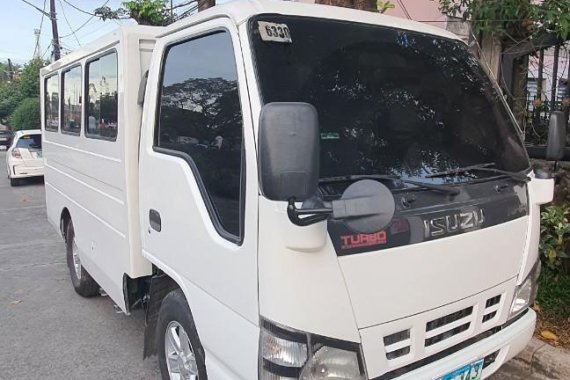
[(525, 293), (292, 355), (332, 363)]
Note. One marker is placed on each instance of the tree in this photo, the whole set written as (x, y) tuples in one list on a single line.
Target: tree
[(510, 22), (26, 115), (151, 12), (27, 85), (513, 19)]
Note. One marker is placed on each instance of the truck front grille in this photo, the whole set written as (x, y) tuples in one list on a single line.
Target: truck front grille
[(397, 345), (447, 326)]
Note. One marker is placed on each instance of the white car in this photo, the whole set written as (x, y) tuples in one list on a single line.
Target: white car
[(24, 157)]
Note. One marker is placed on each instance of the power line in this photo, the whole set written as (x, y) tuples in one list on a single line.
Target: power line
[(85, 23), (79, 9), (68, 24), (38, 9), (401, 2)]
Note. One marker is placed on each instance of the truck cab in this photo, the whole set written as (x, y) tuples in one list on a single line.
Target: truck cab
[(320, 193)]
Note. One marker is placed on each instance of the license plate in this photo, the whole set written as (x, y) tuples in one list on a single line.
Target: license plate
[(471, 371)]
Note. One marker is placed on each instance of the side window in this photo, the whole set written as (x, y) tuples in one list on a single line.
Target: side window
[(200, 116), (51, 103), (71, 98), (102, 104)]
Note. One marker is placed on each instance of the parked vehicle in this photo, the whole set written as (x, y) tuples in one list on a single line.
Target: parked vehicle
[(24, 157), (5, 139), (297, 191)]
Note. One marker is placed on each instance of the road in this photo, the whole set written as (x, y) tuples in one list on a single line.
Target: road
[(47, 331)]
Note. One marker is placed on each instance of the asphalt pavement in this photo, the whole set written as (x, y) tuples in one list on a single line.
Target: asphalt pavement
[(47, 331)]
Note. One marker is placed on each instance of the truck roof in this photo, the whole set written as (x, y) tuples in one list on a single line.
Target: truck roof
[(102, 43), (241, 10)]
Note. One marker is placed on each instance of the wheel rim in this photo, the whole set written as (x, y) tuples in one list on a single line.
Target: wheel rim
[(180, 358), (76, 260)]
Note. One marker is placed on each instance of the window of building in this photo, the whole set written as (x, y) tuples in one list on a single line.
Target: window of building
[(51, 103), (71, 98), (102, 103), (200, 117)]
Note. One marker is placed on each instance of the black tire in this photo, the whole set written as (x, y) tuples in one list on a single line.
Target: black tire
[(84, 286), (174, 308), (14, 181)]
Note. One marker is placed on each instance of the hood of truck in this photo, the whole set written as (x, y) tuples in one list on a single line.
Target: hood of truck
[(386, 285), (328, 280)]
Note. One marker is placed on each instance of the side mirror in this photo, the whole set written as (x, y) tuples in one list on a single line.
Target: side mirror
[(556, 136), (289, 151)]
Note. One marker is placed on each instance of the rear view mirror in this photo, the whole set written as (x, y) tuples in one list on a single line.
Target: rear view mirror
[(556, 136), (289, 151)]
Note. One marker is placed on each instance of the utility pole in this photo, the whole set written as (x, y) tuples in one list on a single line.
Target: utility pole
[(55, 39), (10, 70)]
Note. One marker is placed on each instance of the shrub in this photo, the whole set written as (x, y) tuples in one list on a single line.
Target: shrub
[(26, 115), (554, 236)]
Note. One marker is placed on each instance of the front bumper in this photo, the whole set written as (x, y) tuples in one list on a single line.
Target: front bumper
[(500, 346)]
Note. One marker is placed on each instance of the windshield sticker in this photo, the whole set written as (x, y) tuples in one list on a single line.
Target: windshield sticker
[(274, 32), (330, 136)]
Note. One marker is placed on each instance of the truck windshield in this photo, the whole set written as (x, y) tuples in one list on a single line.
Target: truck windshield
[(390, 101)]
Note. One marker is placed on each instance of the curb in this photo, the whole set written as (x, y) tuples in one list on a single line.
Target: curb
[(543, 361)]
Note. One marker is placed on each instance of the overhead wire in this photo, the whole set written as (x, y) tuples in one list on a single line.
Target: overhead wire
[(68, 24), (79, 9), (401, 2), (85, 23)]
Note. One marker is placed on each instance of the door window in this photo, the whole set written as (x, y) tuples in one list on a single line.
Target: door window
[(201, 121)]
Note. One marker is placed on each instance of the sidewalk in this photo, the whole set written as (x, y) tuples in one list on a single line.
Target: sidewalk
[(540, 360)]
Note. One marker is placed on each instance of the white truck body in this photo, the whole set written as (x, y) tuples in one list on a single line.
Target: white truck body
[(273, 271)]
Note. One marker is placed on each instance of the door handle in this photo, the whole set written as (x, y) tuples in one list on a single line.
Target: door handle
[(155, 220)]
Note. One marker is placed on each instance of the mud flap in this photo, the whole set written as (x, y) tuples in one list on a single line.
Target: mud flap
[(160, 286)]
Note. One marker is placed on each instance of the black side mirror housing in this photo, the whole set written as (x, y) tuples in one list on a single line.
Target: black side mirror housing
[(289, 151), (556, 136)]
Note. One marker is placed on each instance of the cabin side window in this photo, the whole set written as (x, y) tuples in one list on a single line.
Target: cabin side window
[(71, 99), (51, 103), (101, 113), (201, 120)]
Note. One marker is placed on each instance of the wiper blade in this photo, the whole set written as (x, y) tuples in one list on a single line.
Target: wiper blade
[(481, 168), (350, 178)]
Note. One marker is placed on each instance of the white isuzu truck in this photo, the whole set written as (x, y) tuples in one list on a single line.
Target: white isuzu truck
[(297, 191)]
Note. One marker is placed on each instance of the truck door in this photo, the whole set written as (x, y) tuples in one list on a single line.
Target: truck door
[(198, 185)]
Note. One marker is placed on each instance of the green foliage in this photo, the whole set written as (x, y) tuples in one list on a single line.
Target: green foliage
[(513, 19), (29, 80), (383, 6), (554, 236), (144, 12), (26, 115), (554, 295), (9, 99), (26, 85)]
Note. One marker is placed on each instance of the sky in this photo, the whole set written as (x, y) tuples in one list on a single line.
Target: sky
[(18, 21)]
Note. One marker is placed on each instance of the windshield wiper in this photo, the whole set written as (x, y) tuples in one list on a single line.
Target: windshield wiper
[(350, 178), (481, 168)]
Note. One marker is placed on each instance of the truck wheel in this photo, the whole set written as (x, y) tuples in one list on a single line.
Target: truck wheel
[(180, 353), (14, 181), (82, 281)]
